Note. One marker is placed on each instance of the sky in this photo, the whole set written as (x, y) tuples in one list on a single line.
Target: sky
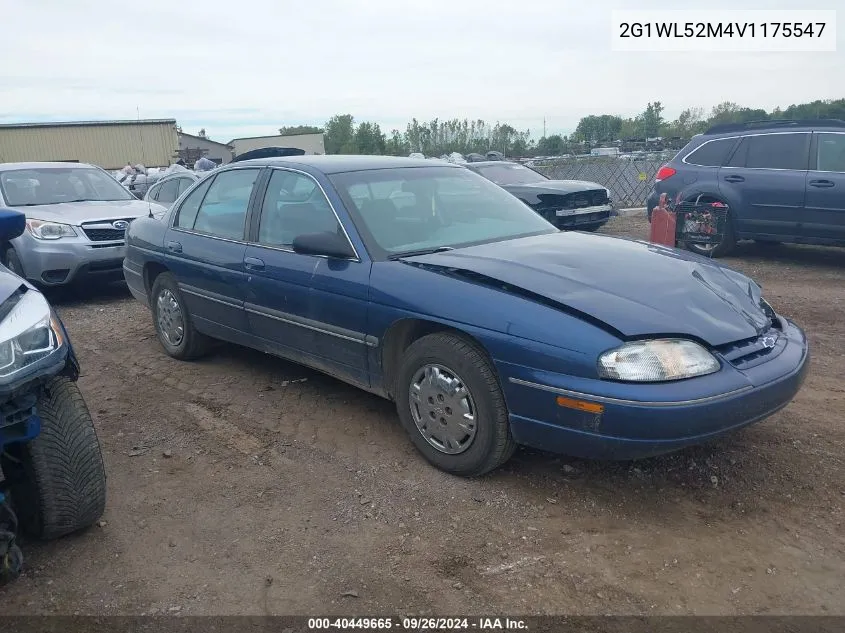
[(245, 68)]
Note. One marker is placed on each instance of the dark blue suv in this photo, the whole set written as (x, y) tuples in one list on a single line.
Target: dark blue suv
[(783, 181)]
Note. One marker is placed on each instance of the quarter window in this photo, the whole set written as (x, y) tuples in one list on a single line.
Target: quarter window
[(778, 151), (223, 210), (294, 205), (712, 153), (831, 152), (168, 191), (191, 205)]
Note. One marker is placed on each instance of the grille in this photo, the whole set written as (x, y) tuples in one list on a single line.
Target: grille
[(751, 352), (586, 199), (104, 231)]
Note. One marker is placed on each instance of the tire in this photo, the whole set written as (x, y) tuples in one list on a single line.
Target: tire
[(13, 262), (490, 444), (723, 248), (58, 481), (168, 307)]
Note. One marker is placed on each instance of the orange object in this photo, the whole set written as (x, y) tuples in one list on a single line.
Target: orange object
[(662, 224), (580, 405)]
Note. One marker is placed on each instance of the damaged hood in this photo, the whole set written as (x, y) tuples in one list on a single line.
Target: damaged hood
[(560, 187), (90, 210), (636, 288)]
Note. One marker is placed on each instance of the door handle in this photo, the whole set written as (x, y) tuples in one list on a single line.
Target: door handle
[(734, 179), (253, 263), (821, 183), (174, 247)]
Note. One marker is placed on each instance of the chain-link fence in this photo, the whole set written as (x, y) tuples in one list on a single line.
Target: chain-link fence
[(629, 180)]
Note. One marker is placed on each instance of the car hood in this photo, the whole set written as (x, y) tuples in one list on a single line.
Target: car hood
[(9, 282), (555, 186), (91, 210), (633, 288)]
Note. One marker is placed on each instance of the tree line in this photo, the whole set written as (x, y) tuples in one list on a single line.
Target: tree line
[(345, 135)]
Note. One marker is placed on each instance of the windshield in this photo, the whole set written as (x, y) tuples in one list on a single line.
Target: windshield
[(53, 185), (426, 208), (510, 174)]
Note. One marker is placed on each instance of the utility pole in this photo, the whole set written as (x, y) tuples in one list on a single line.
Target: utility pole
[(544, 127)]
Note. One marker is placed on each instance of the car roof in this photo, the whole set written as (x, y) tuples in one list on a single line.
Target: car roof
[(487, 163), (785, 125), (44, 165), (338, 163)]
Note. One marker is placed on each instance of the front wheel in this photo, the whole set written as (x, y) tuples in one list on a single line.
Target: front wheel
[(174, 328), (57, 481), (13, 262), (449, 401)]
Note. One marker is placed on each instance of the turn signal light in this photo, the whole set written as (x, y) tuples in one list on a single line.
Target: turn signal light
[(580, 405)]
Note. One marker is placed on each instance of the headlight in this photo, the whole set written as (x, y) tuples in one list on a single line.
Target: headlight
[(28, 333), (49, 230), (657, 360)]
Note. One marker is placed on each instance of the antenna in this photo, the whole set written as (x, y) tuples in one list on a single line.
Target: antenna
[(143, 159)]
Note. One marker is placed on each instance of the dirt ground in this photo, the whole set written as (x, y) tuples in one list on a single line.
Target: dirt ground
[(242, 484)]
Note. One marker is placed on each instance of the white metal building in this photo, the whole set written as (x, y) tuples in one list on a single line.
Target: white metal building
[(220, 153), (311, 143), (109, 144)]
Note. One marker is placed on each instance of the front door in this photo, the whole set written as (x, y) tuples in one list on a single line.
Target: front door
[(309, 308), (764, 181), (205, 251), (824, 218)]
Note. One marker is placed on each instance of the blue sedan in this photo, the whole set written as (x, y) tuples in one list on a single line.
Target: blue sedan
[(429, 285)]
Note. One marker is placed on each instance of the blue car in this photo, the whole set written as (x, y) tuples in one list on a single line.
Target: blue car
[(782, 181), (429, 285)]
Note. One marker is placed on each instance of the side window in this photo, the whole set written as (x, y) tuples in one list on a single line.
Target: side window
[(168, 191), (191, 205), (153, 192), (831, 152), (711, 153), (223, 211), (184, 183), (778, 151), (293, 205), (738, 158)]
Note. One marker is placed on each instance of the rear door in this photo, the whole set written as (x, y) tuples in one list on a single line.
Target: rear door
[(309, 308), (205, 251), (764, 181), (824, 218)]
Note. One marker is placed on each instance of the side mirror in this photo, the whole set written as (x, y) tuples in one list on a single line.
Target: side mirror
[(12, 224), (325, 243)]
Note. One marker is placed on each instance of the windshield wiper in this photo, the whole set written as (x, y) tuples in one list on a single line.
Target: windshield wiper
[(422, 251)]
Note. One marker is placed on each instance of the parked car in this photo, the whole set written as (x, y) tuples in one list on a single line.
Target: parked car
[(268, 152), (170, 187), (568, 204), (782, 181), (76, 217), (53, 480), (484, 323)]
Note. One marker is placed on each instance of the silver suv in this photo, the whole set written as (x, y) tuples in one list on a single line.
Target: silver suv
[(76, 218)]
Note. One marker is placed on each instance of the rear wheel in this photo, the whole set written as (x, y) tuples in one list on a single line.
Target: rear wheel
[(173, 324), (57, 481), (728, 237), (449, 401)]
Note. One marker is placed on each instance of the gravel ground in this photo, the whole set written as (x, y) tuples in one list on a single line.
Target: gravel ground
[(242, 484)]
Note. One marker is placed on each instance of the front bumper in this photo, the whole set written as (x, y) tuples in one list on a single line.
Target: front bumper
[(652, 419), (585, 216), (63, 261)]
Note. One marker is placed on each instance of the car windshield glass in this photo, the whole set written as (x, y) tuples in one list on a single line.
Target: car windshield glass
[(54, 185), (407, 210), (510, 174)]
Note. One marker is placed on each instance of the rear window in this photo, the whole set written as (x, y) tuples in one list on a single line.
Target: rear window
[(712, 153)]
